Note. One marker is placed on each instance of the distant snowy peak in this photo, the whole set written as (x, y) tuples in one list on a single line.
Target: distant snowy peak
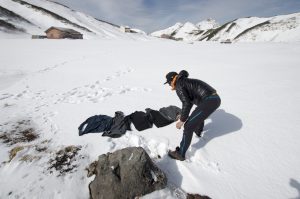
[(23, 18), (188, 27), (168, 31), (208, 24), (278, 28), (187, 31), (284, 28)]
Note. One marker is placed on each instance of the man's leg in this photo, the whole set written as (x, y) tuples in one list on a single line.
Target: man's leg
[(197, 117), (199, 129)]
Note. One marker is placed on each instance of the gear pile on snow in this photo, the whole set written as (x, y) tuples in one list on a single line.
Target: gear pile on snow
[(118, 125)]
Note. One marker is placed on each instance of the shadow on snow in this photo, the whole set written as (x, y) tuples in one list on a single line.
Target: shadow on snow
[(222, 123), (295, 184)]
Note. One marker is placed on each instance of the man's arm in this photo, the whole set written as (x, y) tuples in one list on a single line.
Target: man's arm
[(186, 104)]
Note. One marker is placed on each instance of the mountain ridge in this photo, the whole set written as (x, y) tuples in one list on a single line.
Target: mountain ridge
[(279, 28), (24, 18)]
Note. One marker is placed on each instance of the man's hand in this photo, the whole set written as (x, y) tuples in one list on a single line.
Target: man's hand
[(179, 124)]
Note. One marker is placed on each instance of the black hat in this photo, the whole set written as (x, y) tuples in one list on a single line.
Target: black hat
[(170, 77)]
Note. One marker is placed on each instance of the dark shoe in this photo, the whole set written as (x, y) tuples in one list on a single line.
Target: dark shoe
[(176, 155), (199, 133)]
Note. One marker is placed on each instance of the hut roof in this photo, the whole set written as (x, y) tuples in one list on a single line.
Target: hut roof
[(71, 31)]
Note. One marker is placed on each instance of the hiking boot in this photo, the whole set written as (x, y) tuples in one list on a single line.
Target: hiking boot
[(176, 155), (199, 133)]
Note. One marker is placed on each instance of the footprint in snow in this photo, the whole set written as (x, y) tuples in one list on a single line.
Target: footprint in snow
[(94, 93), (118, 74), (205, 164), (49, 68)]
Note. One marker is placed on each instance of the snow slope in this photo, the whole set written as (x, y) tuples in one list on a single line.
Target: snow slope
[(168, 31), (278, 29), (251, 144), (283, 28), (208, 24), (42, 14), (187, 31)]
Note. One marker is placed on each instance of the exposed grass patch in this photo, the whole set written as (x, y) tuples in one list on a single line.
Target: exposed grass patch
[(252, 28), (117, 26), (29, 158), (198, 32), (214, 32), (64, 160), (19, 132), (14, 152), (196, 196), (10, 27), (14, 137), (231, 26), (7, 13)]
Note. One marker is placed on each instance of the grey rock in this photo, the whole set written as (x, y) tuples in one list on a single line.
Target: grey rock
[(126, 173)]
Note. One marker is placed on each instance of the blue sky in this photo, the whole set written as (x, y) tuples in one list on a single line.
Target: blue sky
[(152, 15)]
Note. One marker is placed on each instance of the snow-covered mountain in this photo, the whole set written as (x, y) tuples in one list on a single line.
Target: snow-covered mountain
[(208, 24), (187, 31), (278, 28), (23, 18), (168, 31)]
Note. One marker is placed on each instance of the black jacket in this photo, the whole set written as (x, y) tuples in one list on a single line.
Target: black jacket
[(95, 124), (120, 124), (141, 120), (191, 91)]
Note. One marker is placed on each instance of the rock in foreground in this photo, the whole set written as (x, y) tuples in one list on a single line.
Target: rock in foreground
[(126, 173)]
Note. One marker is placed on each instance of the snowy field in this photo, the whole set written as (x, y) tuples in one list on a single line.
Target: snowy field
[(251, 144)]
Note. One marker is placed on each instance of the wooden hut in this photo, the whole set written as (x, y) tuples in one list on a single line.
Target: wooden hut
[(124, 28), (38, 36), (61, 33)]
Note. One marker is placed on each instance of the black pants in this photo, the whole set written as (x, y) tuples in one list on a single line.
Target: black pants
[(196, 120)]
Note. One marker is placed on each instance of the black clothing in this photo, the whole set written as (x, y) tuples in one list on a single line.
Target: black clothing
[(120, 124), (158, 119), (195, 121), (198, 131), (170, 112), (141, 120), (112, 127), (164, 116), (191, 91), (96, 123)]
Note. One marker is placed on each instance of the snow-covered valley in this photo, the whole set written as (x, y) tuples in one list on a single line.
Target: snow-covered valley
[(251, 143)]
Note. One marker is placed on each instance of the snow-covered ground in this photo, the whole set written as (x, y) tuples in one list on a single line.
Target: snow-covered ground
[(251, 144)]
